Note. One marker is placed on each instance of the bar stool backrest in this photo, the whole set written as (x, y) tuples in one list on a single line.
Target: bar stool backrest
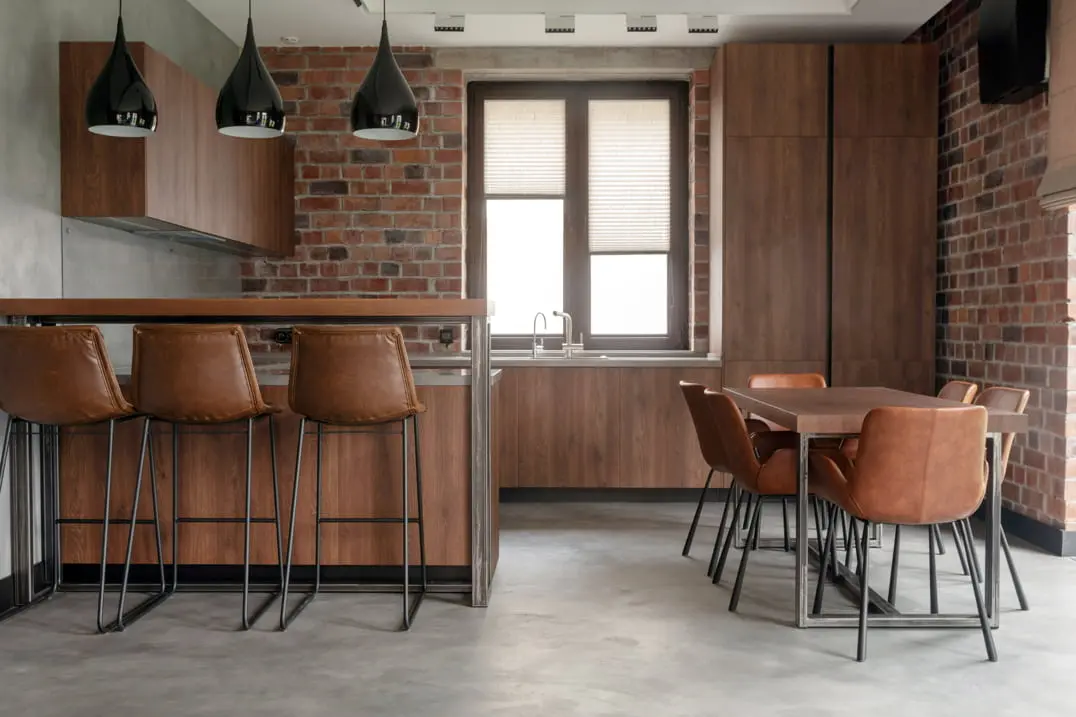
[(194, 374), (351, 375), (705, 426), (920, 466), (1006, 399), (58, 375)]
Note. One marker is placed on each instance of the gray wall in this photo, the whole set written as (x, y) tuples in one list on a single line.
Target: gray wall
[(43, 255)]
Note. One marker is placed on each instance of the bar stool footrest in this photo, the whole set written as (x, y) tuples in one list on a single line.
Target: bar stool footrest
[(138, 611)]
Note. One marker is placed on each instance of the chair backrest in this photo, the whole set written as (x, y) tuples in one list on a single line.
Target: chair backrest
[(58, 375), (1006, 399), (351, 375), (962, 391), (194, 374), (740, 458), (787, 380), (705, 426), (920, 465)]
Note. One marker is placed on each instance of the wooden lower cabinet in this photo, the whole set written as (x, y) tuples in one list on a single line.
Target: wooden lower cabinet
[(598, 428)]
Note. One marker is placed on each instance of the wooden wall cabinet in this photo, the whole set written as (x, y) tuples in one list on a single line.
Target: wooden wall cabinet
[(823, 211), (187, 182)]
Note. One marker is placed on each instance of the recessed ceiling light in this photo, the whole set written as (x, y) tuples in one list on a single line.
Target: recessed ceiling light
[(289, 40)]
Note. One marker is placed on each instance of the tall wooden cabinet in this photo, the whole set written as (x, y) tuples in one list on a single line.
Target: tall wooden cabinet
[(823, 219)]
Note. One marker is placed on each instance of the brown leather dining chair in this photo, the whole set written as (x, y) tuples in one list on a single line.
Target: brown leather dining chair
[(196, 376), (712, 452), (356, 379), (915, 466), (763, 465), (59, 378), (785, 380)]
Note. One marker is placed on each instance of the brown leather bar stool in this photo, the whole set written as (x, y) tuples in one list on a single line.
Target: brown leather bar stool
[(354, 380), (191, 375), (60, 377), (713, 453), (915, 466)]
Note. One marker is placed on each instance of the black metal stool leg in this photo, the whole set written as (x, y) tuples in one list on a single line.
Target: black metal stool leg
[(1012, 571), (276, 498), (730, 538), (864, 589), (124, 620), (748, 548), (406, 532), (784, 520), (984, 624), (959, 549), (933, 572), (175, 508), (698, 514), (938, 544), (421, 521), (731, 497), (894, 569), (285, 618), (101, 626)]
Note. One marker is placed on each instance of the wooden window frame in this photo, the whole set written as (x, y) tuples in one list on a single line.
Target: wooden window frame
[(576, 246)]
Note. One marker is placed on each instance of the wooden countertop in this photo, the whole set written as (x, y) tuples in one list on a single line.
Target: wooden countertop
[(238, 309)]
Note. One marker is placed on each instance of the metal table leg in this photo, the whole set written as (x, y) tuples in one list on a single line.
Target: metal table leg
[(481, 504)]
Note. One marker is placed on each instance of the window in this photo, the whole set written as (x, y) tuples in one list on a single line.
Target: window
[(577, 201)]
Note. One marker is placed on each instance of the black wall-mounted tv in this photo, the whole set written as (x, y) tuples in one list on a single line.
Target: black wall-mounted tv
[(1013, 42)]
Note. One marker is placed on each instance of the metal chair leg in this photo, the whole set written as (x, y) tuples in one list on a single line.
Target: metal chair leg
[(938, 544), (406, 533), (959, 549), (864, 590), (101, 626), (828, 552), (1012, 571), (698, 514), (175, 508), (984, 624), (125, 620), (730, 535), (933, 571), (748, 548), (276, 498), (730, 498), (894, 568), (285, 618), (421, 518), (784, 520), (973, 552)]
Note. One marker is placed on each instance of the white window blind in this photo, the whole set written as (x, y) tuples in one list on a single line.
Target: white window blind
[(630, 176), (524, 147)]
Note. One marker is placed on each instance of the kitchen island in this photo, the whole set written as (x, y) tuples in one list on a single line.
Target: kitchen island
[(360, 470)]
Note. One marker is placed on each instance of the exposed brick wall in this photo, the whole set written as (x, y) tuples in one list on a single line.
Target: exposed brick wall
[(1003, 284), (374, 219), (386, 219)]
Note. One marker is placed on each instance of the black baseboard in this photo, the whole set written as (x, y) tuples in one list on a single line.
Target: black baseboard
[(610, 495), (83, 574), (1055, 541)]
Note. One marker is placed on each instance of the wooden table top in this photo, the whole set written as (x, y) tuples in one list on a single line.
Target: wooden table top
[(248, 308), (842, 410)]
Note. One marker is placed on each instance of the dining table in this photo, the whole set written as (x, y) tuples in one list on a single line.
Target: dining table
[(824, 414)]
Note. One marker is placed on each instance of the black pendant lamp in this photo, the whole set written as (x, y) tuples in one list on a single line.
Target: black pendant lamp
[(384, 107), (120, 104), (250, 105)]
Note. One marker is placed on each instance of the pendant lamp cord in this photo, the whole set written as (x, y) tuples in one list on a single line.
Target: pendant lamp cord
[(250, 9), (121, 8)]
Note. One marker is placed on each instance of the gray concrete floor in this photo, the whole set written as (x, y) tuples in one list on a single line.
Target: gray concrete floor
[(594, 612)]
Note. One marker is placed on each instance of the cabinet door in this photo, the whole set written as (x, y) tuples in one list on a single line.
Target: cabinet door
[(774, 90), (774, 238), (658, 447), (569, 428), (885, 91), (884, 229)]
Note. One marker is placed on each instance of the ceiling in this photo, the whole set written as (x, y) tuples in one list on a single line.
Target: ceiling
[(598, 23)]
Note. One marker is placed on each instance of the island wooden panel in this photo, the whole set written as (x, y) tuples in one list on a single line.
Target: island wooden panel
[(569, 428), (774, 90), (658, 446), (774, 239), (504, 420), (885, 90), (361, 478), (884, 229)]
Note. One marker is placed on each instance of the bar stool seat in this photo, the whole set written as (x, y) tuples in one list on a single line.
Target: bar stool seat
[(60, 377), (197, 375), (354, 378)]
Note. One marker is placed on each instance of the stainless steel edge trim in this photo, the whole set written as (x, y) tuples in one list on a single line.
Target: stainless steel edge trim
[(481, 513)]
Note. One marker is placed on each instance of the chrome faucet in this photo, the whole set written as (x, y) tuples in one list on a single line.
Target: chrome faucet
[(569, 347), (536, 347)]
